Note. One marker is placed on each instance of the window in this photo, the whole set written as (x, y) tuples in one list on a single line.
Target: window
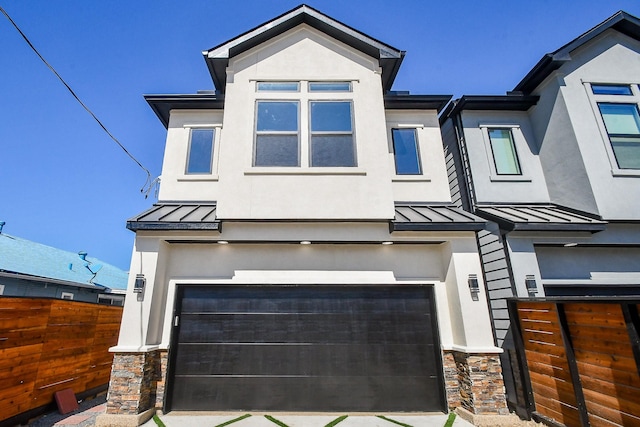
[(606, 89), (200, 155), (1, 289), (504, 151), (405, 152), (277, 134), (329, 86), (623, 127), (67, 295), (313, 130), (278, 86), (331, 134)]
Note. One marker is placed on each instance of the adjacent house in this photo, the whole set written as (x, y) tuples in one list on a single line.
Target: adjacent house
[(305, 253), (30, 269), (554, 166)]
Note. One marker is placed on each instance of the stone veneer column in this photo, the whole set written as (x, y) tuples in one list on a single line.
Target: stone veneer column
[(474, 382), (162, 379), (133, 388)]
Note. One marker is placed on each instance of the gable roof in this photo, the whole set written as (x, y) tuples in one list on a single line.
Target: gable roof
[(621, 21), (26, 258), (217, 58)]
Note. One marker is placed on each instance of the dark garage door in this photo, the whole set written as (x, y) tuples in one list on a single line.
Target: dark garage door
[(305, 348)]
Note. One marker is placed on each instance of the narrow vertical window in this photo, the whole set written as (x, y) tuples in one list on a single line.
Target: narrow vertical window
[(277, 136), (623, 127), (405, 152), (504, 152), (331, 134), (200, 155)]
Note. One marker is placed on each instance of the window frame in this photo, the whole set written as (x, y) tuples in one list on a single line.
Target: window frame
[(305, 98), (190, 146), (516, 158), (257, 133), (596, 100), (418, 155), (329, 133)]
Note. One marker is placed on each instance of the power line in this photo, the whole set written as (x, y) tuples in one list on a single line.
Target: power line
[(148, 183)]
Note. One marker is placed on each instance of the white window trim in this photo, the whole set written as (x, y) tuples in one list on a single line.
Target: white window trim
[(203, 177), (518, 139), (1, 289), (634, 98), (304, 98), (67, 295)]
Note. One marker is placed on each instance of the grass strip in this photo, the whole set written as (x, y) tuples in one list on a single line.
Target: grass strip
[(450, 420), (336, 421), (234, 420), (275, 421), (393, 421), (158, 421)]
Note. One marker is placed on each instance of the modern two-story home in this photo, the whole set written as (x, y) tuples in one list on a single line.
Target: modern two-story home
[(304, 253), (555, 166)]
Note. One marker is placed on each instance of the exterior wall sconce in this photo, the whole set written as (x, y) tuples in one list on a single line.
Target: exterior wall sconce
[(474, 286), (139, 285), (531, 285)]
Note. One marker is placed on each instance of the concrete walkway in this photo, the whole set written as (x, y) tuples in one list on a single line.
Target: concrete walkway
[(199, 419)]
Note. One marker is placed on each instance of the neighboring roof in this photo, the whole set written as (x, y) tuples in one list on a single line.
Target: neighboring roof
[(415, 102), (217, 58), (176, 216), (621, 21), (428, 217), (510, 102), (24, 257), (540, 218), (163, 104)]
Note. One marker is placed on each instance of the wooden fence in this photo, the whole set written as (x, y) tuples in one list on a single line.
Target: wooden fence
[(47, 345), (582, 360)]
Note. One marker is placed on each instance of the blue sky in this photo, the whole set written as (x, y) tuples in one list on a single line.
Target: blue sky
[(64, 183)]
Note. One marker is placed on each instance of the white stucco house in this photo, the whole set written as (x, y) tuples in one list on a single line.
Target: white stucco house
[(555, 166), (304, 253)]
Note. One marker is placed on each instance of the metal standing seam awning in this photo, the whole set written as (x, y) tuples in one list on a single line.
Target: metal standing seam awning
[(176, 216), (429, 217), (540, 218), (408, 217)]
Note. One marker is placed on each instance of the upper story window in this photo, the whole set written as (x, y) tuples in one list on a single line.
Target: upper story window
[(503, 150), (314, 130), (278, 86), (331, 134), (329, 86), (623, 127), (602, 89), (618, 107), (200, 156), (277, 134), (405, 152)]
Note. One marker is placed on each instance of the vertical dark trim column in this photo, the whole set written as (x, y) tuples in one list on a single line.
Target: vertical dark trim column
[(573, 366), (173, 344), (632, 319), (512, 306)]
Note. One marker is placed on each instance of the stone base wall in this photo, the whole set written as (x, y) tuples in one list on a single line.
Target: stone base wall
[(133, 387), (474, 382)]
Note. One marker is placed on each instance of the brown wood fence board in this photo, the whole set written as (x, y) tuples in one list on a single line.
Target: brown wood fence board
[(614, 415), (604, 369), (51, 345)]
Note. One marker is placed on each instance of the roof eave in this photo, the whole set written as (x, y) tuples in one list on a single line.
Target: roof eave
[(163, 104), (217, 58), (510, 102), (416, 102), (172, 226), (463, 226)]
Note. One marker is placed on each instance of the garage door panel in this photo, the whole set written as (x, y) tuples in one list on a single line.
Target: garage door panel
[(294, 299), (305, 348), (286, 359), (305, 328), (363, 394)]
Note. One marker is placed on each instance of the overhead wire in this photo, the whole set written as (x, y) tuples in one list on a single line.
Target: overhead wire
[(149, 183)]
